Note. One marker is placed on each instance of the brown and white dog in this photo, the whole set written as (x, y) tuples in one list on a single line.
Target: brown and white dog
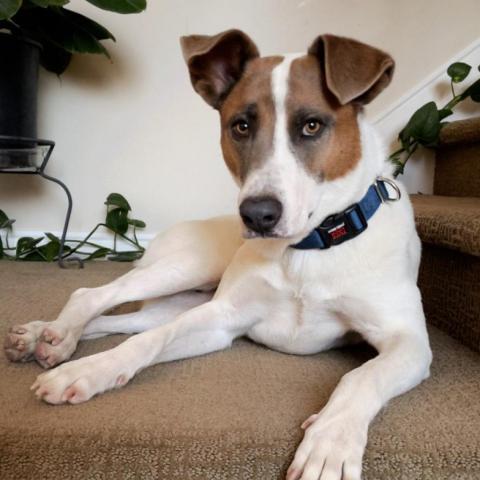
[(295, 141)]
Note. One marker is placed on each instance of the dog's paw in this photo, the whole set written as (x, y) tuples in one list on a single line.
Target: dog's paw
[(49, 343), (55, 344), (21, 341), (79, 380), (330, 450)]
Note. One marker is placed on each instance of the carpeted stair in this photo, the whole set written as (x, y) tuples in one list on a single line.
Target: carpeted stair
[(449, 225), (231, 415)]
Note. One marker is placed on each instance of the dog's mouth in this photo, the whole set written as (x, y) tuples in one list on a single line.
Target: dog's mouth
[(249, 234)]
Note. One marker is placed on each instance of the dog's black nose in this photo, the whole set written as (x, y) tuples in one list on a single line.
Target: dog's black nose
[(260, 214)]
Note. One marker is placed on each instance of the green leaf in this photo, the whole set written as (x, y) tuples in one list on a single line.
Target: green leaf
[(8, 8), (458, 71), (85, 23), (50, 3), (121, 6), (53, 58), (52, 237), (25, 244), (5, 222), (99, 253), (473, 91), (137, 223), (63, 29), (34, 256), (117, 200), (50, 250), (423, 126), (3, 218), (117, 220), (126, 256)]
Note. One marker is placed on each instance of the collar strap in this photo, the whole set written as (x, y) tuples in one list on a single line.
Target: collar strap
[(352, 221)]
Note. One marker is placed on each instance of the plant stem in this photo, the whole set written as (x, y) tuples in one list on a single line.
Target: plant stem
[(84, 241), (453, 89), (131, 241), (91, 244)]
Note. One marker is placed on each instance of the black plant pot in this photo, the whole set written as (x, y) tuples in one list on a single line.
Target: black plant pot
[(18, 87)]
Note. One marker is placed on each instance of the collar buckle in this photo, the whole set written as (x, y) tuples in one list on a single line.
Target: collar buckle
[(343, 226)]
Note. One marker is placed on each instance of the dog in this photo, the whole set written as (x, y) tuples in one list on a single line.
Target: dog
[(324, 245)]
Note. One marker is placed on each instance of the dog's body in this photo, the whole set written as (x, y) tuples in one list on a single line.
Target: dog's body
[(205, 285)]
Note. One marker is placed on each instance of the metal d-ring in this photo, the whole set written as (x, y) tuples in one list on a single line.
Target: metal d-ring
[(393, 185)]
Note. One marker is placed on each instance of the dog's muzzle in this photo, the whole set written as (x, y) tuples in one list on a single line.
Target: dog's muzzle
[(261, 214)]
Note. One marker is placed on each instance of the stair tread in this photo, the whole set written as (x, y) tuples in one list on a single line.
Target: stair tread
[(460, 132), (452, 222)]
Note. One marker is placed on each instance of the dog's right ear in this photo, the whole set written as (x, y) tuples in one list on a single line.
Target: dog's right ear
[(217, 62)]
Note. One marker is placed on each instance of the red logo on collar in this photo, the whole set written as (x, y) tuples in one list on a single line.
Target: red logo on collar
[(338, 231)]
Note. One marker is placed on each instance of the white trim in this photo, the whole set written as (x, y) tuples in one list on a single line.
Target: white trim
[(104, 239), (427, 82)]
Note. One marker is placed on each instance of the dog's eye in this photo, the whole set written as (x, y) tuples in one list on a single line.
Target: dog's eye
[(241, 129), (311, 128)]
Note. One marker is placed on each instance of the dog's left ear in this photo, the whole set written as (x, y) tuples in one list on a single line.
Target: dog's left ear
[(354, 71)]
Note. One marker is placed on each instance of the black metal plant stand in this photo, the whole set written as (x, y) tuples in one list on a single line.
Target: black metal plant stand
[(29, 156)]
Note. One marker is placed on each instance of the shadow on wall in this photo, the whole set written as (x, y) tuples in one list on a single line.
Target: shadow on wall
[(27, 187), (94, 72)]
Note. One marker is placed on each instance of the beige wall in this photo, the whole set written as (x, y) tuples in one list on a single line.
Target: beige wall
[(136, 127)]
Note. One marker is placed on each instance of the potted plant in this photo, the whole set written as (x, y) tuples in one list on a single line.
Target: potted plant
[(43, 32)]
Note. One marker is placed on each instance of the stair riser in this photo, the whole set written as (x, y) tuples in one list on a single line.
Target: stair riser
[(450, 286), (457, 170)]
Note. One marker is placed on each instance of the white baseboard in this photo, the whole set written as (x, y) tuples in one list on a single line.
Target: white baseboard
[(102, 239)]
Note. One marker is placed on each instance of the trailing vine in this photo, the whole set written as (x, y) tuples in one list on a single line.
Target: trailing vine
[(424, 126), (47, 248)]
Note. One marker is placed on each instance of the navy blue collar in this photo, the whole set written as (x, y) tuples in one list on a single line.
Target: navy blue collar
[(352, 221)]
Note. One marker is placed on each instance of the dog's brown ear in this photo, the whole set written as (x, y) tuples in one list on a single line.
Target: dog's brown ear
[(217, 62), (354, 71)]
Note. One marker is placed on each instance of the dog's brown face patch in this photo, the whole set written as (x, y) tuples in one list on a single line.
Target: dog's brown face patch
[(324, 134), (248, 118), (248, 121)]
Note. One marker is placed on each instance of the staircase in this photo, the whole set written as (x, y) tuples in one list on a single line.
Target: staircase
[(448, 223)]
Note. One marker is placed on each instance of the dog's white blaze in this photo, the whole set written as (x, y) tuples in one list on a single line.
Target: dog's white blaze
[(280, 81), (281, 175), (294, 186)]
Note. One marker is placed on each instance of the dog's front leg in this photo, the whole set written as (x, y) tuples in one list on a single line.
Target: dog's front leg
[(335, 438), (51, 343), (206, 328)]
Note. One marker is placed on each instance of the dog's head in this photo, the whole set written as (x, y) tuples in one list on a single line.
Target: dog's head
[(289, 123)]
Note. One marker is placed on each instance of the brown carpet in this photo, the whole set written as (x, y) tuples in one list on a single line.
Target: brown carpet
[(451, 222), (450, 285), (229, 415), (457, 159)]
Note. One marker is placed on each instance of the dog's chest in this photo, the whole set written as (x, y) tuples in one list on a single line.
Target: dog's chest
[(297, 312)]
